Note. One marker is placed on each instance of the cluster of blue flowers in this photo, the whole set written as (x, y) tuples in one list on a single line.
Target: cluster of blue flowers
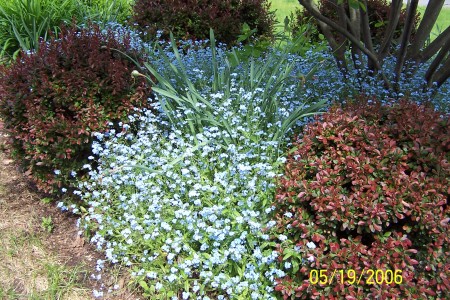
[(189, 215), (183, 209)]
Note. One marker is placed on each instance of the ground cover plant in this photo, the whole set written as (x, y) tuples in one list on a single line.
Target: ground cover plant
[(185, 199), (178, 182), (35, 264), (52, 100)]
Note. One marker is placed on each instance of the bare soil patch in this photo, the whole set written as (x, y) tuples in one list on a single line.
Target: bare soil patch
[(37, 264)]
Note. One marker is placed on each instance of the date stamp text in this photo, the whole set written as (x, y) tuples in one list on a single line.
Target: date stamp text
[(365, 276)]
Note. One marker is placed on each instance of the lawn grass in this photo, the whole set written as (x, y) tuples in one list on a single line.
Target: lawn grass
[(28, 269), (284, 8), (442, 22), (31, 272)]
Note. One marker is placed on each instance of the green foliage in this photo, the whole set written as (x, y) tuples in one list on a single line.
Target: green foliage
[(24, 22), (368, 184), (47, 224), (8, 293), (193, 19), (305, 36), (46, 200), (268, 77), (53, 100), (199, 227), (106, 10), (305, 25)]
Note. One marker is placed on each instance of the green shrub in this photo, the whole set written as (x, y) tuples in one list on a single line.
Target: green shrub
[(378, 19), (193, 19), (369, 186), (53, 100)]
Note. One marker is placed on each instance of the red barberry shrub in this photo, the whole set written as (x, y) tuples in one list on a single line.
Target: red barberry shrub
[(378, 13), (369, 185), (53, 100), (192, 19)]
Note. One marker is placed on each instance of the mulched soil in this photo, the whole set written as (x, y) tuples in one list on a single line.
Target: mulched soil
[(64, 241)]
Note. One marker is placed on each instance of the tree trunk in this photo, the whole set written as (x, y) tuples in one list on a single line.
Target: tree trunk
[(429, 18), (406, 37), (411, 49), (394, 16)]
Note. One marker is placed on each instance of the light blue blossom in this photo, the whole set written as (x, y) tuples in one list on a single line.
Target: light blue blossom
[(177, 204), (282, 237), (311, 245)]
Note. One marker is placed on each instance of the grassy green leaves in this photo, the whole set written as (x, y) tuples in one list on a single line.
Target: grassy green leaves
[(263, 78)]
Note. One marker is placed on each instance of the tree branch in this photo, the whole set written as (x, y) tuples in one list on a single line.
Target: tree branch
[(429, 18), (354, 22), (394, 16), (406, 36), (443, 54), (444, 73), (316, 14), (434, 47), (338, 48), (366, 35)]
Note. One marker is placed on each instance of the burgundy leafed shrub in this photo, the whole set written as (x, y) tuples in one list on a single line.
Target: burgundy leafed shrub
[(369, 185), (53, 100), (378, 18), (192, 19)]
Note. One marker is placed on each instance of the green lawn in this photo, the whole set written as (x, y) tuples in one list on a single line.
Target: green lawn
[(284, 8), (442, 22)]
